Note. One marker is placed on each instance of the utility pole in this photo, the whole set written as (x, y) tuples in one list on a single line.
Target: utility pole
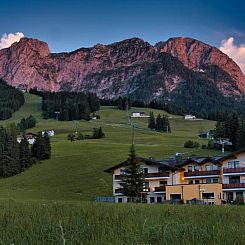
[(129, 121), (133, 133)]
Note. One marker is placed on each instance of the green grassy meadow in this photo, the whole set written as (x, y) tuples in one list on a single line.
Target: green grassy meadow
[(97, 223), (50, 203), (75, 171)]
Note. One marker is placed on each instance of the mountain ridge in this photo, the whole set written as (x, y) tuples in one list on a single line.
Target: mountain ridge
[(113, 70)]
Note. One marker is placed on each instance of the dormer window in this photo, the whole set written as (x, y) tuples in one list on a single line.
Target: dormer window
[(196, 168), (189, 168)]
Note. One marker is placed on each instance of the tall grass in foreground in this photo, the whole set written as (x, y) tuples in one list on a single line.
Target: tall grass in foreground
[(95, 223)]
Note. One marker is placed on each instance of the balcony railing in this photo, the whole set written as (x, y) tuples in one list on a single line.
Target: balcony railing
[(201, 173), (148, 175), (120, 190), (233, 186), (159, 189), (156, 175), (234, 170)]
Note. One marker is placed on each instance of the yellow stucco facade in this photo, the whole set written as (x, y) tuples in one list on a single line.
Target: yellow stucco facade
[(189, 192)]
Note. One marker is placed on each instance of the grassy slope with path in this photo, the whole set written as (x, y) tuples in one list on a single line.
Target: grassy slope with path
[(75, 171)]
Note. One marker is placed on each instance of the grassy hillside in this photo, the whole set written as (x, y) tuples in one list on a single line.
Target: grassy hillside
[(75, 171)]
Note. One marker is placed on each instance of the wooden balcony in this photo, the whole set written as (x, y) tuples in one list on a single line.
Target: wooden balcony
[(233, 186), (201, 173), (156, 175), (148, 175), (159, 189), (234, 170)]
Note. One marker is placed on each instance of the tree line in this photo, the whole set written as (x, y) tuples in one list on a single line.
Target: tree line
[(68, 106), (11, 100), (26, 123), (233, 128), (161, 123), (16, 157)]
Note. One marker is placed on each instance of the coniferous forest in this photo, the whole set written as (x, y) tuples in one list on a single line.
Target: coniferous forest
[(68, 106), (16, 157), (11, 100)]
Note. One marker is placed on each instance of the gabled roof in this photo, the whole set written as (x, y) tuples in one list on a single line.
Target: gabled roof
[(142, 160), (199, 160), (232, 155)]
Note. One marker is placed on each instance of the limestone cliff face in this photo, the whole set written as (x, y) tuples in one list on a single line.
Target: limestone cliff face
[(128, 67), (199, 56)]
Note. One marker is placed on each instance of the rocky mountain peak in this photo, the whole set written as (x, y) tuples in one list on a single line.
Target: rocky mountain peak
[(197, 55)]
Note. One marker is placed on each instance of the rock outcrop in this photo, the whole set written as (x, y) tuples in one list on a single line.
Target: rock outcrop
[(125, 67)]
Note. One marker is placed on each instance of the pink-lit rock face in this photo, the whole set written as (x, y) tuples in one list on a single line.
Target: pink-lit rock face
[(113, 70), (197, 55)]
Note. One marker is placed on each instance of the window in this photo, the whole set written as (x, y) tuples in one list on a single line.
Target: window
[(207, 195), (174, 197), (236, 164), (120, 199), (207, 167), (197, 181), (234, 179), (196, 168), (215, 167), (190, 168), (159, 199), (162, 183), (145, 170), (233, 164), (161, 170), (152, 199), (208, 181), (215, 180), (190, 182), (146, 185)]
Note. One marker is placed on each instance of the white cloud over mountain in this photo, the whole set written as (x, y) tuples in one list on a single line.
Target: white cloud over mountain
[(236, 52), (8, 39)]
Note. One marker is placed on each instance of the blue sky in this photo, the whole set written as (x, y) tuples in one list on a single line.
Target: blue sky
[(70, 24)]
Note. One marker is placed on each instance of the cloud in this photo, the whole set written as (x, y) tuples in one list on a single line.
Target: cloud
[(237, 53), (8, 39)]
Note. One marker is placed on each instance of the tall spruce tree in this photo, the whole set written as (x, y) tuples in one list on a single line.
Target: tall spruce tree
[(37, 147), (151, 121), (132, 183), (241, 135), (25, 153), (159, 123), (10, 160), (46, 154)]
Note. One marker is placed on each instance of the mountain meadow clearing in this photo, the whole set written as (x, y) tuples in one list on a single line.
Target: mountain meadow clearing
[(53, 201)]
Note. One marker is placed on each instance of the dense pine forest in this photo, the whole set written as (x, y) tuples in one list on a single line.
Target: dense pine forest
[(16, 157), (11, 100), (68, 106)]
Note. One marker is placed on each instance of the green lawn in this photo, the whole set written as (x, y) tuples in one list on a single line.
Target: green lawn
[(75, 171)]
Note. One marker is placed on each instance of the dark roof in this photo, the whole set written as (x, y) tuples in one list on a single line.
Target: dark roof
[(231, 155), (147, 161), (199, 160)]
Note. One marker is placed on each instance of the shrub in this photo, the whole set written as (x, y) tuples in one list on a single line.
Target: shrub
[(191, 144)]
